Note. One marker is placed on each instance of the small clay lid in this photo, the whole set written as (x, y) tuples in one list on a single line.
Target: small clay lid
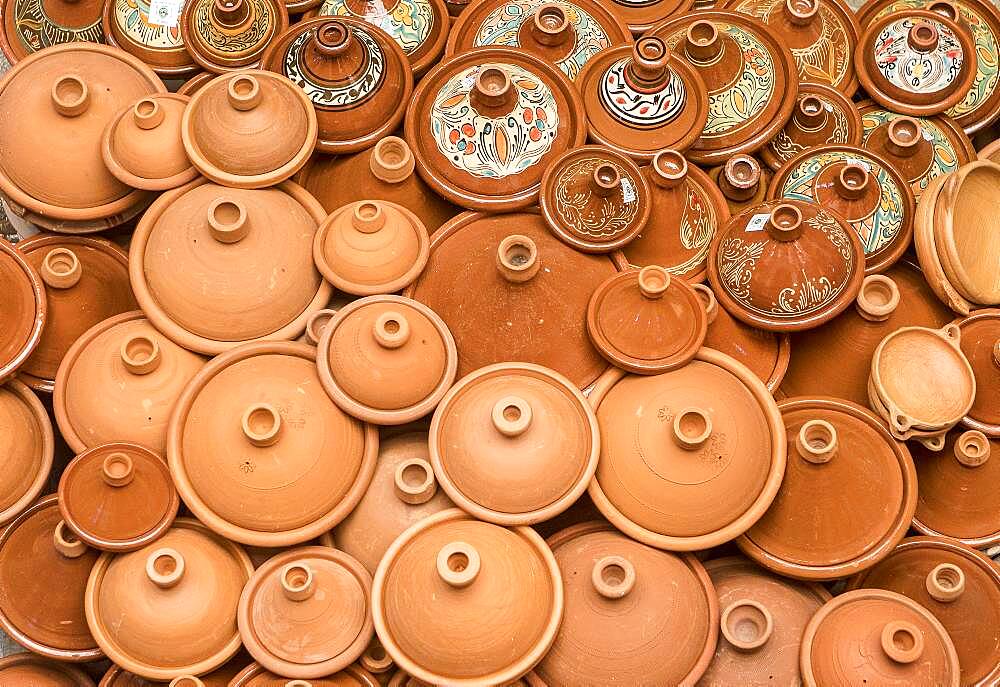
[(43, 575), (228, 35), (858, 186), (981, 345), (452, 586), (169, 608), (641, 15), (645, 321), (514, 443), (847, 497), (743, 182), (23, 310), (255, 675), (371, 247), (690, 458), (29, 669), (155, 40), (877, 637), (633, 614), (386, 359), (29, 27), (136, 375), (27, 444), (822, 116), (786, 265), (118, 497), (250, 249), (485, 124)]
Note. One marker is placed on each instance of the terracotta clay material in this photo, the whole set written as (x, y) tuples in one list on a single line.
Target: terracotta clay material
[(981, 345), (28, 669), (925, 244), (641, 16), (28, 445), (160, 45), (228, 35), (255, 675), (28, 28), (23, 310), (822, 116), (220, 677), (196, 83), (742, 181), (990, 152), (316, 324)]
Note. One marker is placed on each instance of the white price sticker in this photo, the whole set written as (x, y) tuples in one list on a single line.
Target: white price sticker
[(628, 190), (165, 12), (757, 222)]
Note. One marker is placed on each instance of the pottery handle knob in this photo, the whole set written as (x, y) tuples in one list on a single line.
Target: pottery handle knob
[(298, 683), (972, 448), (653, 281), (298, 582), (669, 168), (70, 95), (147, 114), (902, 641), (392, 160), (746, 624), (605, 180), (332, 38), (492, 89), (550, 25), (140, 354), (945, 582), (61, 269), (376, 659), (66, 542), (368, 217), (801, 12), (511, 416), (878, 298), (784, 223), (227, 220), (708, 301), (691, 428), (852, 181), (810, 112), (702, 43), (923, 36), (458, 564), (186, 681), (740, 177), (613, 577), (391, 329), (117, 470), (817, 441), (261, 423), (317, 323), (904, 134), (517, 259), (165, 567), (244, 92), (650, 60), (230, 12), (414, 480)]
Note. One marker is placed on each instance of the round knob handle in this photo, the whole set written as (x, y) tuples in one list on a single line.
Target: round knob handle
[(493, 90), (186, 681), (946, 9), (817, 441), (613, 577), (746, 624), (117, 470), (708, 301), (458, 564), (550, 25), (140, 354), (972, 448), (147, 114), (376, 659), (70, 95), (368, 217), (517, 259), (230, 13), (317, 323), (261, 424), (702, 42), (810, 113), (653, 281), (945, 582), (61, 268), (692, 427), (904, 134), (852, 181), (297, 582), (740, 177), (66, 542), (392, 160), (650, 60), (878, 298), (902, 641), (391, 329), (605, 180), (801, 12), (333, 38), (669, 168), (784, 223), (511, 416), (414, 480), (227, 220), (923, 36), (165, 567), (244, 91)]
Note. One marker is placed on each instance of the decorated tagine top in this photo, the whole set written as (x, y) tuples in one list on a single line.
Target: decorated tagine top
[(229, 35), (153, 38), (30, 26)]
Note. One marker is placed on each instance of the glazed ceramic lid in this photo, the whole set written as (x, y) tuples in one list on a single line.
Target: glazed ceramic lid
[(255, 675), (847, 497), (386, 359), (594, 199), (370, 247), (514, 443), (786, 265), (925, 243), (250, 249), (485, 124), (822, 116), (28, 669), (228, 35), (981, 345), (871, 636), (169, 608), (633, 614), (156, 40), (645, 321), (860, 187), (516, 265), (30, 26), (43, 574), (750, 75), (27, 444), (260, 454), (690, 458), (451, 586), (641, 15), (23, 310), (743, 182), (136, 372)]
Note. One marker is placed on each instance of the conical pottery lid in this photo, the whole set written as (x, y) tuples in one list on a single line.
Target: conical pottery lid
[(822, 116), (142, 145), (641, 16), (250, 249), (29, 27), (452, 586), (43, 575), (370, 247), (786, 265), (387, 359), (514, 443), (981, 346), (485, 124), (261, 454), (633, 614), (137, 375), (306, 613), (155, 40), (27, 444), (255, 675), (28, 669), (169, 608), (847, 497), (118, 497), (227, 35), (23, 310), (516, 265), (743, 181), (965, 221), (690, 458), (876, 637)]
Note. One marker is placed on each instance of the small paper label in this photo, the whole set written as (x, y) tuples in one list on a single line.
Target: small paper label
[(928, 136), (828, 107), (165, 12), (757, 222), (628, 190)]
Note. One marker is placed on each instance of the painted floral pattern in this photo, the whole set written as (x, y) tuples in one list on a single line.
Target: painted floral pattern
[(132, 18), (37, 30), (586, 214), (341, 95), (409, 22), (253, 37), (912, 70), (635, 108), (945, 157), (784, 148)]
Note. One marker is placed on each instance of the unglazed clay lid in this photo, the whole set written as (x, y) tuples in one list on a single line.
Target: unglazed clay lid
[(227, 35), (255, 675), (23, 310), (29, 27), (27, 442), (859, 186), (847, 497), (29, 669), (451, 586), (43, 575), (251, 250), (786, 265), (981, 345), (822, 116), (633, 614), (370, 247), (514, 443), (870, 636), (261, 454), (169, 608), (155, 40), (485, 124), (118, 496), (690, 458), (387, 359), (645, 321)]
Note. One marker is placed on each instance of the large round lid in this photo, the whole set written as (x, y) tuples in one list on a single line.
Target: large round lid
[(251, 250), (29, 669), (23, 310), (491, 278), (31, 26), (877, 637), (43, 575), (690, 458), (227, 35), (485, 124), (981, 345), (169, 608), (261, 454), (847, 498), (387, 359), (786, 265), (27, 442), (155, 40), (451, 586), (633, 614), (256, 675), (822, 116), (641, 15), (514, 443)]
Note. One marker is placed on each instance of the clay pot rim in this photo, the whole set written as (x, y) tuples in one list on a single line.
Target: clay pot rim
[(989, 150), (195, 83), (80, 678), (736, 560), (9, 367), (280, 26), (21, 390), (242, 678), (992, 431), (958, 138), (927, 253), (176, 71)]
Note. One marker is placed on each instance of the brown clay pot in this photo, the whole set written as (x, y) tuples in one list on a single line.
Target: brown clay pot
[(23, 310), (229, 35), (925, 243), (30, 27), (822, 116), (127, 26), (255, 675), (981, 345), (27, 442), (743, 182), (28, 669)]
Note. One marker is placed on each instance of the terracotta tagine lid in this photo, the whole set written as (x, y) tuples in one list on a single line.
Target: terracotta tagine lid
[(847, 497), (28, 669), (23, 310), (255, 675), (743, 182), (872, 636), (485, 124), (29, 27), (786, 265), (136, 372), (204, 238), (822, 116), (633, 613), (449, 573), (690, 458), (43, 574), (514, 444), (156, 40), (227, 35), (981, 345), (516, 265), (640, 15), (27, 442), (169, 608), (388, 360)]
